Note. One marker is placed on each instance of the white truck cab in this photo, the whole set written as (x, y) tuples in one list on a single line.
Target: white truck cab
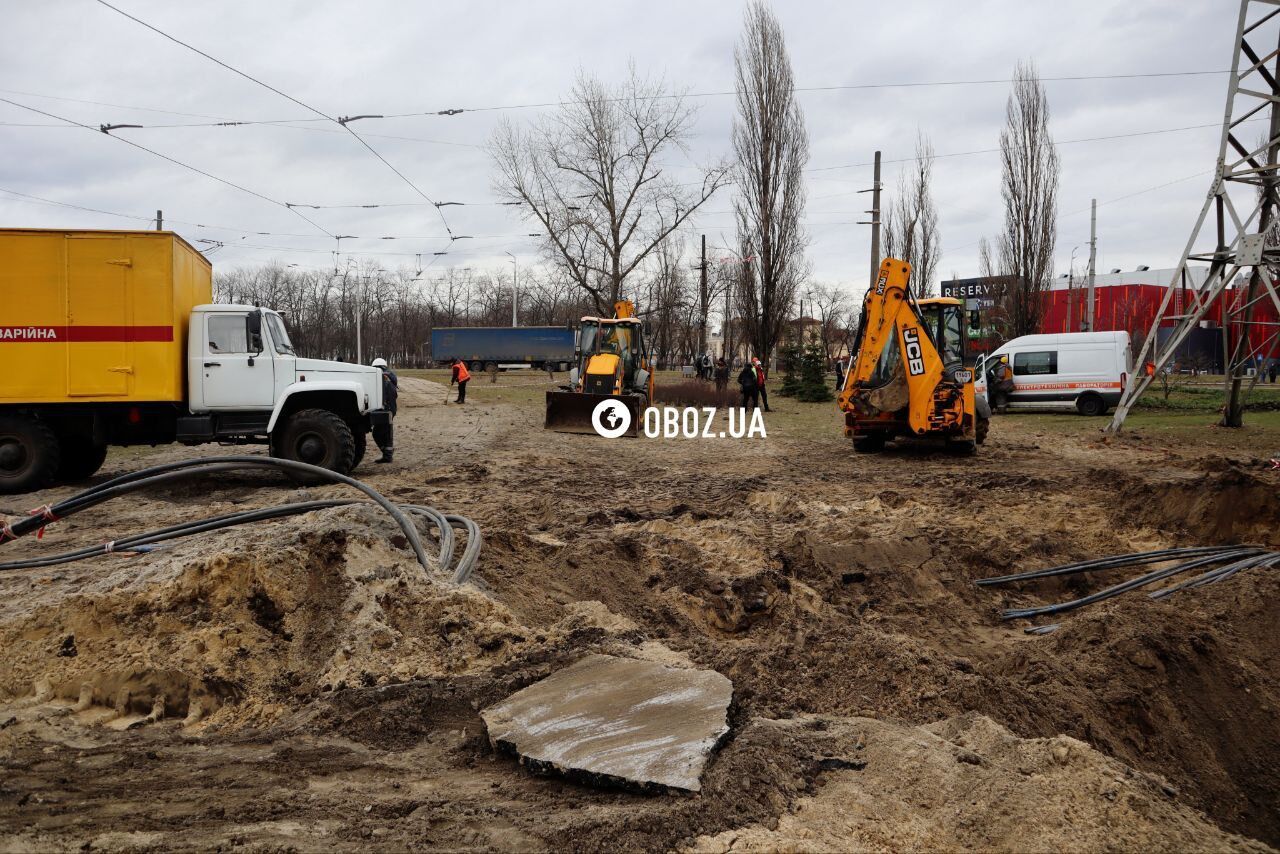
[(1084, 371), (245, 382)]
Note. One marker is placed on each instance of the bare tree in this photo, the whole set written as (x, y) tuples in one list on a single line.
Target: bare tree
[(772, 147), (592, 177), (1029, 187), (831, 306), (911, 221)]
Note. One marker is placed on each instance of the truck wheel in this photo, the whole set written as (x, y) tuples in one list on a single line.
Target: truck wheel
[(869, 443), (1090, 404), (981, 426), (318, 437), (29, 454), (80, 459), (476, 367)]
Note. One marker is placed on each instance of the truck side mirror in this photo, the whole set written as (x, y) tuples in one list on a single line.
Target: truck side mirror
[(254, 323)]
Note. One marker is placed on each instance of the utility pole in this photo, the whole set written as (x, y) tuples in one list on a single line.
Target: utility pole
[(515, 289), (1093, 259), (704, 298), (159, 220), (874, 222)]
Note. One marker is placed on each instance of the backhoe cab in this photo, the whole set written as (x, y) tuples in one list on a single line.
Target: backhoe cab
[(908, 376), (612, 361)]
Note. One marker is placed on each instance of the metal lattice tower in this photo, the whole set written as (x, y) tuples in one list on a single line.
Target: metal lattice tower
[(1238, 243)]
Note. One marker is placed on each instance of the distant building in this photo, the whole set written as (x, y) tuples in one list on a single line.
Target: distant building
[(1128, 302)]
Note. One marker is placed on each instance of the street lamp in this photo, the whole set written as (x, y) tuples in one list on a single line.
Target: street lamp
[(515, 293)]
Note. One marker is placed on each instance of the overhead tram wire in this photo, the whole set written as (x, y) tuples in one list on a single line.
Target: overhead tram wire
[(342, 122), (227, 122), (174, 161)]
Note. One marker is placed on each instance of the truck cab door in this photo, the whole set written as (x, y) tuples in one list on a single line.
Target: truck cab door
[(237, 372)]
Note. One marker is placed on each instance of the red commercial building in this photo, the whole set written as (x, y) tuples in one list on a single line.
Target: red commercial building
[(1129, 302)]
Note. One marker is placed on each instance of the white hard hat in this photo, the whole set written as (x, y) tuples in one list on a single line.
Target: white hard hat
[(379, 363)]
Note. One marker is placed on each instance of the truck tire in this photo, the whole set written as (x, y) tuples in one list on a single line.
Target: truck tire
[(362, 442), (318, 437), (981, 426), (80, 459), (29, 454)]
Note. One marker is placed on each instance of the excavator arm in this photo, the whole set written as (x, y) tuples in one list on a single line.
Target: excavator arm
[(889, 319)]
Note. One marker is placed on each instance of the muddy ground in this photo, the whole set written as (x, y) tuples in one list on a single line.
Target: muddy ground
[(320, 691)]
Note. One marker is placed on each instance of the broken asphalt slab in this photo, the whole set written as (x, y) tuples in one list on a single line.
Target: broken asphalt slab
[(630, 722)]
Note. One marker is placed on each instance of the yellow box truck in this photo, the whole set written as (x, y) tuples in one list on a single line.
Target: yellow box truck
[(112, 338)]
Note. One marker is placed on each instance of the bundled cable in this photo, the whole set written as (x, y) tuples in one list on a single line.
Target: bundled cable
[(156, 475), (1217, 562)]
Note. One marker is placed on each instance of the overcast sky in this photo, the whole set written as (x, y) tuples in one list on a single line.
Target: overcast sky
[(401, 57)]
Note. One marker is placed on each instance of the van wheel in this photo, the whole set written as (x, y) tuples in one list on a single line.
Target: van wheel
[(1090, 404), (80, 460), (317, 437), (29, 454)]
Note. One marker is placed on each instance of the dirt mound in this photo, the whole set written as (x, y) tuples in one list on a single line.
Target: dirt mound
[(226, 630), (967, 783)]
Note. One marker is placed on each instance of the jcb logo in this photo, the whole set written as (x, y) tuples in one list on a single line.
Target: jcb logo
[(880, 285), (915, 356)]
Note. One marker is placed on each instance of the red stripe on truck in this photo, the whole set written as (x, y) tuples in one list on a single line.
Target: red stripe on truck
[(82, 334)]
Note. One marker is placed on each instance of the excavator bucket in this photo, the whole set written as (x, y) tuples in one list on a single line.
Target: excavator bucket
[(571, 411)]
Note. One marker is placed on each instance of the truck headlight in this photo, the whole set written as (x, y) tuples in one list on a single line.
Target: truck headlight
[(963, 376)]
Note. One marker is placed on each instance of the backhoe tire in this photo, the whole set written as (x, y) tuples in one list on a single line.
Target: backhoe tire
[(29, 454), (318, 437), (981, 426), (869, 443), (80, 459)]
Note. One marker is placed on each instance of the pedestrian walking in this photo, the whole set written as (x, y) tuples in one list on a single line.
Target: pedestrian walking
[(384, 434), (722, 375), (841, 369), (750, 388), (460, 376), (1271, 372), (761, 376)]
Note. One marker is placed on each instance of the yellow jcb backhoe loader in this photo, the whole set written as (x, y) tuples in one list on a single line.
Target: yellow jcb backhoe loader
[(612, 362), (908, 376)]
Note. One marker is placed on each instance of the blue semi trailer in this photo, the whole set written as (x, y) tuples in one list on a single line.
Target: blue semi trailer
[(485, 347)]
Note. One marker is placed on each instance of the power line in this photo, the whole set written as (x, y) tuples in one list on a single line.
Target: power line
[(173, 161), (251, 78)]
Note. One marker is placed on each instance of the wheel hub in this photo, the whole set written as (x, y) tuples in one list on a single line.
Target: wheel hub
[(310, 448), (13, 456)]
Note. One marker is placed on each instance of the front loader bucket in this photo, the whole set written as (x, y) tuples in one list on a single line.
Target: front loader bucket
[(571, 411)]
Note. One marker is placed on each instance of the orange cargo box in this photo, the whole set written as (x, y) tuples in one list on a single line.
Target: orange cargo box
[(100, 316)]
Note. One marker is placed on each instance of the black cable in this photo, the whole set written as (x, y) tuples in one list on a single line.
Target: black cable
[(179, 470), (1247, 556), (1109, 562)]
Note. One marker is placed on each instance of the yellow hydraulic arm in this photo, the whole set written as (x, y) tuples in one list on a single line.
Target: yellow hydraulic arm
[(887, 312)]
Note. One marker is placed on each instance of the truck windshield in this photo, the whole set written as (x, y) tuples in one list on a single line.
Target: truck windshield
[(279, 337)]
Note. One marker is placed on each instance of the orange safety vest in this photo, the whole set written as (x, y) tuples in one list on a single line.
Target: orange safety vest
[(463, 373)]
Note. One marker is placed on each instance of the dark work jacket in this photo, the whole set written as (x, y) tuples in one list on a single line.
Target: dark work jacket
[(747, 379), (390, 390)]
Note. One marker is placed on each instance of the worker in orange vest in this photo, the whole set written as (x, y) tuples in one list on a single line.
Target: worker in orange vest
[(460, 376)]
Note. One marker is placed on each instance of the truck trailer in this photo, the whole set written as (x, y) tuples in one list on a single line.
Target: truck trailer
[(486, 347), (112, 338)]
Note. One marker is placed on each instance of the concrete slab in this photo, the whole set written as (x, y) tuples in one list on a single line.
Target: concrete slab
[(633, 722)]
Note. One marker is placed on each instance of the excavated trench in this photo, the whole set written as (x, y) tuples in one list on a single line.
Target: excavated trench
[(843, 592)]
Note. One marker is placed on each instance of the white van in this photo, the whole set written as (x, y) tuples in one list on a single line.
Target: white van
[(1085, 371)]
